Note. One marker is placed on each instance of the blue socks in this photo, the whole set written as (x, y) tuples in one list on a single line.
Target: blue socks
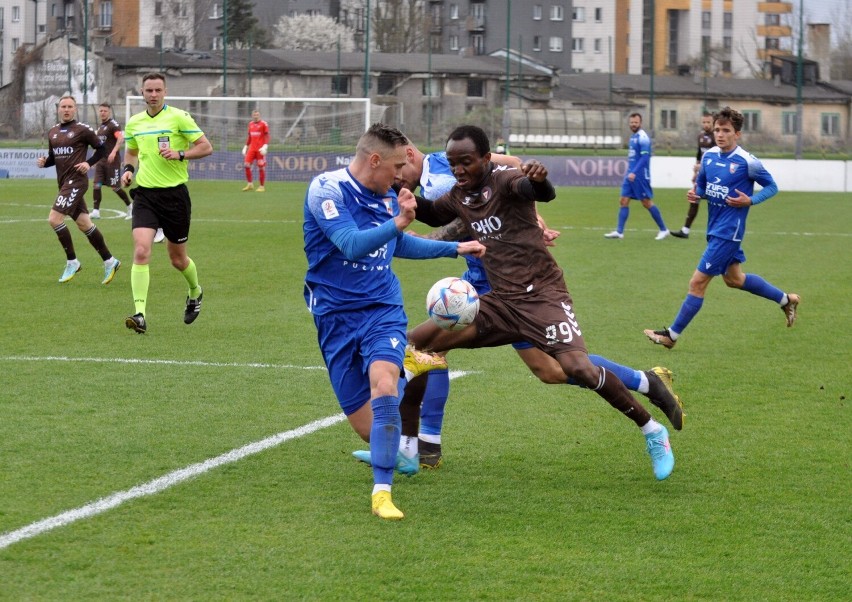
[(434, 401), (623, 214), (384, 438), (658, 217), (630, 377), (756, 285), (691, 306)]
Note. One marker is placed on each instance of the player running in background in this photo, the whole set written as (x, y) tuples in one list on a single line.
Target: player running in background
[(726, 180), (160, 141), (108, 170), (68, 143), (425, 397), (705, 143), (254, 151), (353, 227), (637, 181), (528, 300)]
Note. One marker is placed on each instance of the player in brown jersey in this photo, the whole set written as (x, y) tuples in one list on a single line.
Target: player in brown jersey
[(705, 143), (529, 300), (69, 142), (108, 171)]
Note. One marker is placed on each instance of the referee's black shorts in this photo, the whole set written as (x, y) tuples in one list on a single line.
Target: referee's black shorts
[(166, 208)]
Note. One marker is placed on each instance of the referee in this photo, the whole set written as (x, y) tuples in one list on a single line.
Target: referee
[(160, 140)]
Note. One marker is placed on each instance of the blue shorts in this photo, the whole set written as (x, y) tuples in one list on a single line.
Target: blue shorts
[(640, 188), (352, 340), (719, 255)]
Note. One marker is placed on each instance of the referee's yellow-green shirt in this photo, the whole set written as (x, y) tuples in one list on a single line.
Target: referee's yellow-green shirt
[(170, 128)]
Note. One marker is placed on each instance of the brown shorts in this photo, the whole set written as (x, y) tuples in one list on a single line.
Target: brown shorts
[(108, 173), (545, 319), (71, 201)]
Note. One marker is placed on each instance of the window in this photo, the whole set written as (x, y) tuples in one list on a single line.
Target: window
[(773, 20), (772, 44), (16, 14), (454, 42), (726, 66), (15, 43), (598, 15), (180, 42), (477, 11), (727, 43), (105, 19), (727, 21), (158, 40), (789, 123), (705, 44), (557, 13), (537, 12), (454, 11), (340, 84), (217, 43), (706, 19), (578, 14), (199, 109), (182, 11), (477, 40), (475, 88), (216, 11), (751, 121), (386, 85), (598, 45), (555, 44), (577, 45), (668, 119), (158, 9), (431, 87), (830, 124), (537, 43)]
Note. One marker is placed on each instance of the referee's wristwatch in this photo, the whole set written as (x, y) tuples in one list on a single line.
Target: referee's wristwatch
[(181, 155)]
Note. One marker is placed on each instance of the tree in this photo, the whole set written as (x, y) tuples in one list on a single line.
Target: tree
[(312, 32), (243, 28), (400, 26)]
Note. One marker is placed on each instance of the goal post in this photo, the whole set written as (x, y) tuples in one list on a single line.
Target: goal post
[(306, 127)]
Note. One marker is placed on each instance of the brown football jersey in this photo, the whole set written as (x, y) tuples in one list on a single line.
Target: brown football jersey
[(106, 132), (516, 259), (69, 145)]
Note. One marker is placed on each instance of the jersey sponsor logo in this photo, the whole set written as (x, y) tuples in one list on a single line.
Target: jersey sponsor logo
[(63, 150), (487, 226), (717, 191), (394, 342), (329, 210)]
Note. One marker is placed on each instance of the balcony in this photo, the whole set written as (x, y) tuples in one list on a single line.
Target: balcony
[(473, 23), (774, 8), (766, 55), (774, 31)]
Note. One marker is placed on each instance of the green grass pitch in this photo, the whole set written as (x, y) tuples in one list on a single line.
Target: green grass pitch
[(546, 492)]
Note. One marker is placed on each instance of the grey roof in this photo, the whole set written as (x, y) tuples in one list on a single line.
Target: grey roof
[(717, 87), (297, 60)]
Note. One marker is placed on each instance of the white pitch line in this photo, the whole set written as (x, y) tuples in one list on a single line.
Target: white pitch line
[(162, 483), (118, 360), (170, 479)]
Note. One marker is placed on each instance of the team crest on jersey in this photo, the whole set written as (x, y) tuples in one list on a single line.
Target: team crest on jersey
[(329, 210), (486, 194), (388, 201), (733, 167)]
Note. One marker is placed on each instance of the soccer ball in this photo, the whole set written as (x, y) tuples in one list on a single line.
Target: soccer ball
[(452, 303)]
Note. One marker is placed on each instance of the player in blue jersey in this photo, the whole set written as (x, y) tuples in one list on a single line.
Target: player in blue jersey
[(637, 181), (726, 180), (426, 396), (354, 223)]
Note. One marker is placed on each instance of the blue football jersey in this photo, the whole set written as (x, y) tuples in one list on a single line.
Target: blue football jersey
[(337, 200), (437, 180), (639, 155), (720, 176)]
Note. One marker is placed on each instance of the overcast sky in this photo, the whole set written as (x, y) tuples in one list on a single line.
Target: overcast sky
[(824, 11)]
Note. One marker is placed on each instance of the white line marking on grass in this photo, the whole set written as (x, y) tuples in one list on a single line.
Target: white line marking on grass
[(700, 233), (173, 478), (118, 360), (162, 483)]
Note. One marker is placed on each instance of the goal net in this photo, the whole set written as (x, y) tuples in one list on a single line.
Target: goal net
[(306, 135)]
